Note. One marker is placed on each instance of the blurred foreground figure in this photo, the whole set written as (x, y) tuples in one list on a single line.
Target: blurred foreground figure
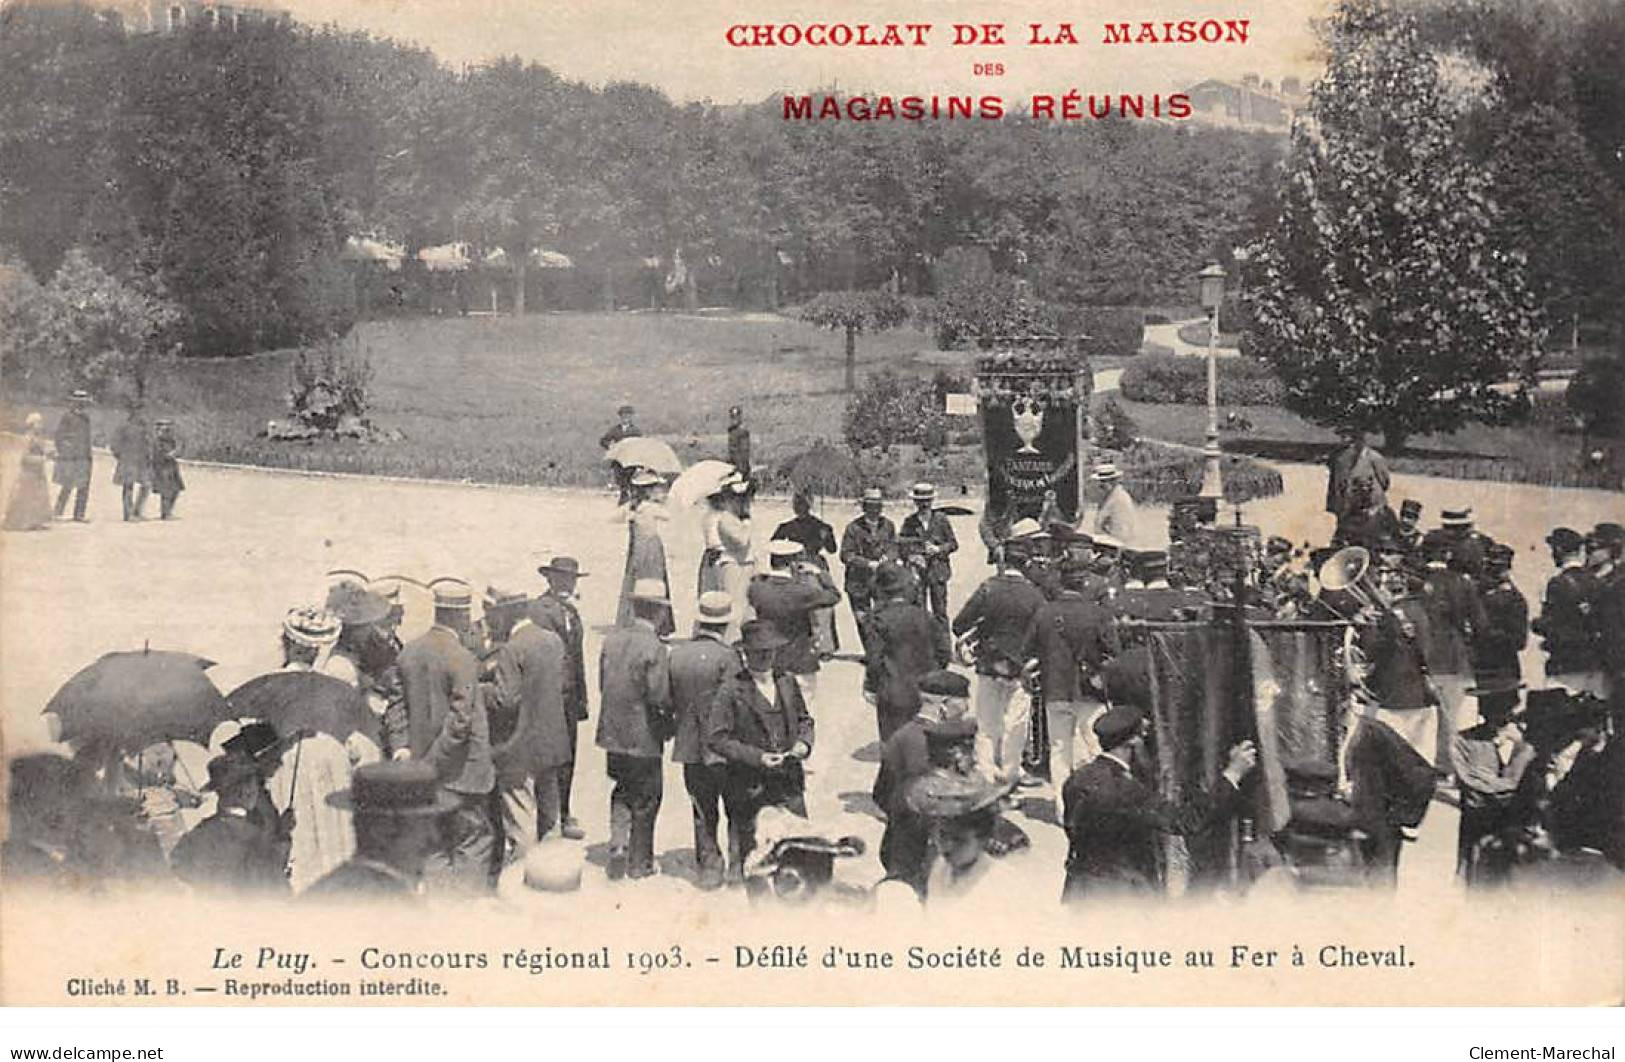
[(397, 809)]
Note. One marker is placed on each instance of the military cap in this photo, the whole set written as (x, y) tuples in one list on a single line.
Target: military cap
[(355, 605), (1410, 507), (716, 606), (1456, 517), (1500, 553), (504, 597), (1108, 544)]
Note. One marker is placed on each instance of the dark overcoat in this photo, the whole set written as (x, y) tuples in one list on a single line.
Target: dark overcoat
[(438, 675), (552, 613), (698, 668)]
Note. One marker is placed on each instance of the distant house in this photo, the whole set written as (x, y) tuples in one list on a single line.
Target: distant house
[(1250, 103), (170, 16)]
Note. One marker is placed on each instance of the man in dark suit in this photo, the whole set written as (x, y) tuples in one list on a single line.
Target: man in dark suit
[(447, 728), (1609, 612), (927, 540), (73, 457), (132, 452), (634, 722), (397, 809), (787, 595), (940, 735), (523, 687), (1566, 620), (1506, 621), (999, 612), (903, 644), (1072, 638), (1113, 819), (229, 850), (556, 611), (867, 543), (1355, 463), (699, 667), (762, 731), (623, 428)]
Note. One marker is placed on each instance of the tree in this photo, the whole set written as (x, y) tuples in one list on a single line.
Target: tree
[(1382, 295), (855, 312)]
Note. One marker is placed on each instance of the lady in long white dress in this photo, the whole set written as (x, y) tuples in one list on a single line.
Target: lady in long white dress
[(312, 771), (738, 562)]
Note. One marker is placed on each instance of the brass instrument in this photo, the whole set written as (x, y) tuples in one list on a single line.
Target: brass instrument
[(1348, 588)]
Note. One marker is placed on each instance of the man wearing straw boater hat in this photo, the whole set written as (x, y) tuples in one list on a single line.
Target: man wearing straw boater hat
[(397, 808), (634, 722), (699, 666), (927, 539), (448, 729), (1117, 511), (73, 456), (867, 543), (556, 611), (1489, 761)]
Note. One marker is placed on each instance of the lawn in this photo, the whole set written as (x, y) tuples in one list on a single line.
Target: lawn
[(1539, 451), (509, 400)]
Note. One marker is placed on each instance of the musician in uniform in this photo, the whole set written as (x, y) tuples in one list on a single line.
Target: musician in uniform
[(999, 613), (1410, 529), (1455, 617), (448, 729), (788, 595), (902, 645), (1567, 620), (555, 610), (1469, 547), (866, 544), (1609, 612), (1506, 621), (927, 540)]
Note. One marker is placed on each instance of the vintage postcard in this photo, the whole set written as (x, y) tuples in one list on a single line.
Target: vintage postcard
[(929, 502)]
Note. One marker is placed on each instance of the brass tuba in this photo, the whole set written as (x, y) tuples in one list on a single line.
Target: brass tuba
[(1347, 586)]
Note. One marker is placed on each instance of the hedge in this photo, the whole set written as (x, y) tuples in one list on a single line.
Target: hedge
[(1175, 379), (1156, 473)]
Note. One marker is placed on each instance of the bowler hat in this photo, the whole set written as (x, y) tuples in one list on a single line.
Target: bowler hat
[(397, 789), (716, 606), (1117, 726), (761, 634), (228, 771), (563, 566), (1608, 533), (1565, 539), (1456, 517)]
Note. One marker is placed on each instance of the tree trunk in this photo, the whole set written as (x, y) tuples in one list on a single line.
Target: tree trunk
[(851, 359), (609, 289), (519, 285), (691, 291)]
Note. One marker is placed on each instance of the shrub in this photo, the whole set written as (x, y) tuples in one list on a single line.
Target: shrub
[(1114, 331), (329, 392), (1596, 395), (890, 410), (1157, 474), (1168, 378)]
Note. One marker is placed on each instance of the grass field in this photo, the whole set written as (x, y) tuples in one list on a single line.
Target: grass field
[(1534, 452), (506, 400)]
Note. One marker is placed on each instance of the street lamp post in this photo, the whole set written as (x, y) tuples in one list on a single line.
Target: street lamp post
[(1211, 280)]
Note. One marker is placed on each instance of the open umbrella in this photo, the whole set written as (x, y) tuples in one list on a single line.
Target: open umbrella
[(822, 470), (132, 699), (298, 700), (640, 451), (700, 480)]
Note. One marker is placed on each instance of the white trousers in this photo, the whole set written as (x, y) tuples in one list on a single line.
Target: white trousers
[(1072, 740), (1002, 710)]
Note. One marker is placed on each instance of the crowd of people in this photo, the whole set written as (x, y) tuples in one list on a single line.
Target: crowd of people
[(462, 777)]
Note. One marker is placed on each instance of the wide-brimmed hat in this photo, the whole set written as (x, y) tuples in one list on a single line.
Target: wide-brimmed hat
[(923, 492), (944, 794), (761, 634), (229, 771), (1107, 472), (355, 605), (452, 592), (716, 606), (651, 590), (563, 566), (314, 627), (396, 789)]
